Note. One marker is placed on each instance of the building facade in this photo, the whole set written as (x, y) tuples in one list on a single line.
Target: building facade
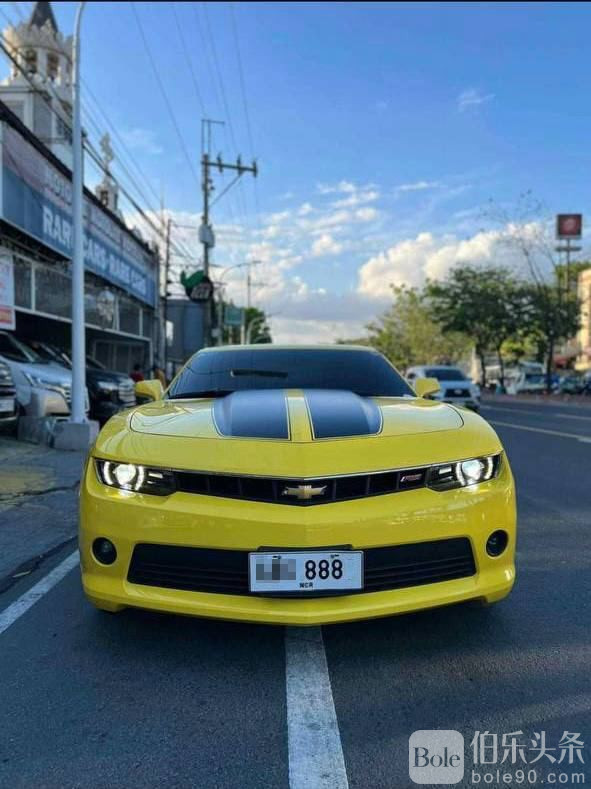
[(122, 270), (584, 335)]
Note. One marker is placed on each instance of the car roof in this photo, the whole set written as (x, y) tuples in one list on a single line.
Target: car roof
[(273, 347)]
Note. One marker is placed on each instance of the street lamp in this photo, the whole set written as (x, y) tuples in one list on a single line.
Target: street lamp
[(78, 407)]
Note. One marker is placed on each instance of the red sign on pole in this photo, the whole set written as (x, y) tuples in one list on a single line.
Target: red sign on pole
[(569, 226)]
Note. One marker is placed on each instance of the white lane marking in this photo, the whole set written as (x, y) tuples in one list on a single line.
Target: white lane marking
[(314, 743), (582, 439), (35, 593), (517, 411)]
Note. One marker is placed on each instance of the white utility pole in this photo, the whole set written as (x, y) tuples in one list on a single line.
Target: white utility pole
[(78, 408)]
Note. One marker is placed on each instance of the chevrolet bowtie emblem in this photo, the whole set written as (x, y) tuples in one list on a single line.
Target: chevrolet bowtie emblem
[(304, 491)]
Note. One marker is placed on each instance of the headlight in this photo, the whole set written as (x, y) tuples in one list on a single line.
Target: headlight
[(37, 380), (463, 473), (130, 476), (107, 386)]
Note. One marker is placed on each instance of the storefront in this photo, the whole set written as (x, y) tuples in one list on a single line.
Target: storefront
[(36, 235)]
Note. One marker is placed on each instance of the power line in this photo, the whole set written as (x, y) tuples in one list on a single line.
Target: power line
[(242, 82), (164, 94), (219, 75), (95, 157), (244, 102), (189, 61)]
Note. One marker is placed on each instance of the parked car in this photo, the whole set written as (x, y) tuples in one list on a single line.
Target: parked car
[(456, 388), (42, 389), (108, 391), (8, 406), (571, 384)]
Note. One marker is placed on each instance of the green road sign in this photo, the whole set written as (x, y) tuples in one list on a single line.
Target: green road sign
[(233, 315)]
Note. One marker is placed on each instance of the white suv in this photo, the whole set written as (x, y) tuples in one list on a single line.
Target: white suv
[(42, 389), (456, 388)]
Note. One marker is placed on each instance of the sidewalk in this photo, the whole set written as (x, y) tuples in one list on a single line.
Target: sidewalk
[(38, 504)]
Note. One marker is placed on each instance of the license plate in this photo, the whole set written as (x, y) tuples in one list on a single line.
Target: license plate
[(6, 404), (305, 571)]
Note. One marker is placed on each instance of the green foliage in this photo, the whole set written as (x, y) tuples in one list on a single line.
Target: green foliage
[(486, 303), (409, 333), (260, 332)]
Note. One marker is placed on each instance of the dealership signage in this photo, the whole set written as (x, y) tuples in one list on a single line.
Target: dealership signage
[(37, 198), (569, 226), (7, 320)]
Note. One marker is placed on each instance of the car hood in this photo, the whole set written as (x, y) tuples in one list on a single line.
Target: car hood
[(301, 416), (297, 433), (92, 374), (52, 373)]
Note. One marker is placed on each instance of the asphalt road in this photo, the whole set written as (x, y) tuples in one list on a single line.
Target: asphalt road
[(145, 700)]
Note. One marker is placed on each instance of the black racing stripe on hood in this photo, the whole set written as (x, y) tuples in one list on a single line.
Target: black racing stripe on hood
[(336, 413), (252, 414)]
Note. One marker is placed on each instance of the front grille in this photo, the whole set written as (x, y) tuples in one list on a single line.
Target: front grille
[(226, 572), (303, 492)]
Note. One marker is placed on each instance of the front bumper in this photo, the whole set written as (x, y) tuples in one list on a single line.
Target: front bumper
[(185, 519)]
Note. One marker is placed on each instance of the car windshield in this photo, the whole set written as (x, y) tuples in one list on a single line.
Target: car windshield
[(219, 373), (445, 374), (534, 378), (17, 351)]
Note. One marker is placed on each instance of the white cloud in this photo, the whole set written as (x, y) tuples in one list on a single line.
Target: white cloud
[(326, 245), (357, 198), (343, 187), (143, 140), (472, 97), (292, 331), (305, 209), (367, 214), (277, 218), (418, 186), (412, 261)]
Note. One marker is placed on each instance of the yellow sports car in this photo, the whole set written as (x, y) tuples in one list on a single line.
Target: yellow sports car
[(295, 485)]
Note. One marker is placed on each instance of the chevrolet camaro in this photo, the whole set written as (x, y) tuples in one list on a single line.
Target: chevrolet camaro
[(295, 485)]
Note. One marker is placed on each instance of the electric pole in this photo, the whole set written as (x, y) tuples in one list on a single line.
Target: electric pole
[(206, 235), (166, 277)]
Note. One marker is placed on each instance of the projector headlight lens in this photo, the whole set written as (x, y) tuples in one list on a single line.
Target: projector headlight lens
[(136, 478), (464, 473)]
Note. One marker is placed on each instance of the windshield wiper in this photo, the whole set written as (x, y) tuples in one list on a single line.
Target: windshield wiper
[(204, 394)]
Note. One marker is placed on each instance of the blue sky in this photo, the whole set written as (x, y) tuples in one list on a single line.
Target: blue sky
[(381, 131)]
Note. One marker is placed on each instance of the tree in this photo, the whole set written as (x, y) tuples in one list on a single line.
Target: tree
[(259, 328), (484, 303), (553, 307), (409, 333)]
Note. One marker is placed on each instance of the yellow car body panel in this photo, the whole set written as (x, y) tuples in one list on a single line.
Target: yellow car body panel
[(183, 435)]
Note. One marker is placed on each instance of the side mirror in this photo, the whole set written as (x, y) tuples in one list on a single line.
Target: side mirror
[(146, 391), (426, 386)]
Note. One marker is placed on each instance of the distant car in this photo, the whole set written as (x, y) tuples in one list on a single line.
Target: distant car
[(42, 389), (571, 384), (108, 391), (295, 485), (8, 404), (456, 387)]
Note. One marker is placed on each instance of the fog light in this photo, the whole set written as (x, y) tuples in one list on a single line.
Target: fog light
[(104, 550), (497, 542)]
